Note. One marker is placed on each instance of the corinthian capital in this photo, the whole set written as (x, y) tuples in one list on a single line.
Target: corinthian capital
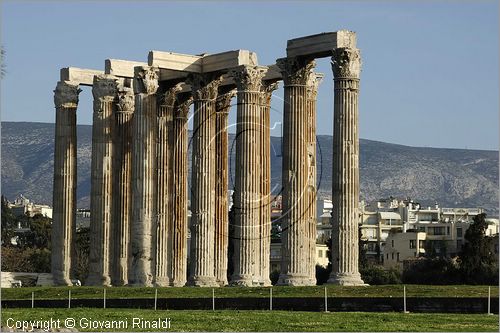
[(66, 94), (267, 90), (346, 63), (313, 84), (182, 105), (105, 87), (223, 101), (204, 86), (168, 98), (146, 80), (126, 101), (296, 71), (248, 78)]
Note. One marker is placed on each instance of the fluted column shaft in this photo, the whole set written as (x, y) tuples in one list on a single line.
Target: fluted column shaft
[(312, 90), (265, 184), (223, 105), (295, 243), (165, 187), (180, 185), (346, 65), (122, 187), (204, 87), (144, 179), (104, 90), (248, 179), (64, 192)]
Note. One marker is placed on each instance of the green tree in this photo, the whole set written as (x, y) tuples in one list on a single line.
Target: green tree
[(477, 262)]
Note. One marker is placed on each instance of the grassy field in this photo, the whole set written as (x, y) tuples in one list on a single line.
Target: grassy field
[(189, 292), (265, 320)]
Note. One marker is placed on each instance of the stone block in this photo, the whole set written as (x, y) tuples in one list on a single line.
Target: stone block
[(320, 45), (121, 68), (84, 77)]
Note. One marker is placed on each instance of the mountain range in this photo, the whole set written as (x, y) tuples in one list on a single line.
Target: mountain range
[(450, 177)]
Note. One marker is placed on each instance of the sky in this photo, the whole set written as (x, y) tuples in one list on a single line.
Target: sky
[(429, 76)]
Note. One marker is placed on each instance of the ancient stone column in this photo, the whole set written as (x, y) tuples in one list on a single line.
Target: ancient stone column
[(265, 184), (223, 105), (144, 180), (122, 187), (165, 186), (248, 179), (64, 193), (104, 91), (312, 91), (295, 170), (204, 88), (180, 192), (346, 67)]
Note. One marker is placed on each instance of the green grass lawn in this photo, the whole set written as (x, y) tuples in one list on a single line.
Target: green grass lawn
[(268, 320), (188, 292)]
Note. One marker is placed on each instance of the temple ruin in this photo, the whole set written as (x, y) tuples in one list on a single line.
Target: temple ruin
[(139, 168)]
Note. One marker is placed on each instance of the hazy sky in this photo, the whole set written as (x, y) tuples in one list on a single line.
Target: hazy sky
[(430, 70)]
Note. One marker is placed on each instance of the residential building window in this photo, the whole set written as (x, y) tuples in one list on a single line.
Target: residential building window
[(392, 255), (438, 231), (421, 244), (459, 232), (387, 256), (447, 230), (422, 229), (413, 243), (398, 256), (392, 242), (459, 244)]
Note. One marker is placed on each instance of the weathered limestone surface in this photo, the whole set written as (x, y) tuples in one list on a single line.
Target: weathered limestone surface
[(346, 67), (246, 257), (265, 185), (320, 45), (180, 192), (144, 182), (223, 105), (122, 186), (81, 76), (204, 88), (104, 90), (295, 243), (312, 91), (165, 186), (64, 200)]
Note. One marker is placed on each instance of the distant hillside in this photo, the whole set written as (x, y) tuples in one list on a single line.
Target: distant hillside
[(452, 177)]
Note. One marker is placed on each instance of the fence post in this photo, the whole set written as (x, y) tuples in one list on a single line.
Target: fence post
[(404, 300), (326, 301), (32, 299), (489, 301), (213, 299), (271, 299), (156, 297), (69, 299), (104, 299)]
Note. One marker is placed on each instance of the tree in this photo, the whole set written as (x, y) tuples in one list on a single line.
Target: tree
[(477, 262)]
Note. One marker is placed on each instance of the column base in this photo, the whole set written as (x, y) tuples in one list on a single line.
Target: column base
[(346, 279), (294, 280), (178, 283), (61, 280), (162, 282), (244, 281), (96, 280), (266, 283), (142, 281), (202, 281), (222, 283)]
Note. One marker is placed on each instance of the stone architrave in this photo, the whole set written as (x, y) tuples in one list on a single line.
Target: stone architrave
[(163, 271), (265, 184), (246, 257), (122, 187), (144, 178), (346, 67), (223, 105), (64, 192), (204, 88), (104, 90), (312, 91), (180, 190), (295, 170)]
